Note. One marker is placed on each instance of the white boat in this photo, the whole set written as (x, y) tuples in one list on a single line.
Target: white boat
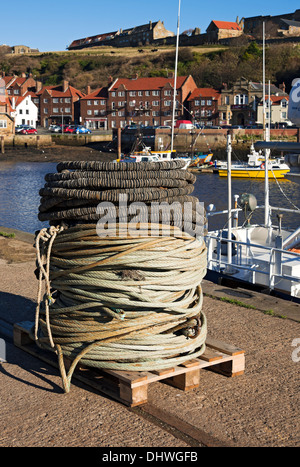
[(146, 155), (265, 256)]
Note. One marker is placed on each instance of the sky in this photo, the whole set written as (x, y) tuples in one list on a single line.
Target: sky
[(52, 26)]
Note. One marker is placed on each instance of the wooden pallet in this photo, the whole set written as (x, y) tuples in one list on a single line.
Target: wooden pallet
[(131, 387)]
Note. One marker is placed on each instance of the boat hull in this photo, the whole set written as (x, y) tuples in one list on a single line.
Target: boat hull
[(254, 173)]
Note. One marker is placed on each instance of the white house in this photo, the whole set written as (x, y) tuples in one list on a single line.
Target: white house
[(24, 111), (276, 110)]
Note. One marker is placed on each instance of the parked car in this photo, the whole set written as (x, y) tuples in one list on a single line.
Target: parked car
[(29, 130), (237, 127), (19, 128), (70, 129), (55, 128), (81, 129)]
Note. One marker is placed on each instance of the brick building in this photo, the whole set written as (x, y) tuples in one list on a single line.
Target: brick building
[(203, 106), (93, 109), (130, 37), (218, 30), (7, 123), (238, 104), (20, 85), (273, 24), (146, 101), (141, 35), (59, 104)]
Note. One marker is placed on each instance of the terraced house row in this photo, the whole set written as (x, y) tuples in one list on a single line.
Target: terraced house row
[(145, 101)]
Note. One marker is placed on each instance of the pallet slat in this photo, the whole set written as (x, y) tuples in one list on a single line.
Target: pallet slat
[(130, 387)]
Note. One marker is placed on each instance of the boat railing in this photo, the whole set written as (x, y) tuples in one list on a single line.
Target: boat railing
[(235, 212), (216, 258)]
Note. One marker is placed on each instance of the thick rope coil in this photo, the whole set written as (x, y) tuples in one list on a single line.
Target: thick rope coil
[(121, 302)]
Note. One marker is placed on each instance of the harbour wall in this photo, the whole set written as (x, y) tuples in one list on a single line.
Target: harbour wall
[(37, 141), (208, 140)]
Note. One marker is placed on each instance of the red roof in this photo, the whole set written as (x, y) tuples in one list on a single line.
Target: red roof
[(226, 25), (57, 91), (101, 93), (146, 84), (204, 92), (276, 100)]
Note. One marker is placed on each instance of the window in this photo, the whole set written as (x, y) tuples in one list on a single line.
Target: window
[(68, 100), (241, 99), (227, 100), (89, 112), (113, 94), (96, 102), (147, 93), (36, 101), (16, 91), (132, 103), (55, 110), (45, 101), (197, 102), (155, 113), (102, 102), (113, 124), (209, 102), (20, 111), (132, 93), (167, 103), (202, 101), (283, 103), (283, 114), (3, 124), (55, 100), (167, 93), (89, 102), (67, 110), (45, 110), (27, 112), (140, 93), (113, 105), (155, 93), (26, 102), (121, 93), (155, 103), (96, 112)]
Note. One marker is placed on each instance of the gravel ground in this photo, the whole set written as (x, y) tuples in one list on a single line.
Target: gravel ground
[(259, 408)]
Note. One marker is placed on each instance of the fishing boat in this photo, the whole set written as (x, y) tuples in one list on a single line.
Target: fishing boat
[(255, 167), (147, 155), (200, 159)]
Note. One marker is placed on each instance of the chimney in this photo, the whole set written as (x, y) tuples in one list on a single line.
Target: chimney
[(23, 75), (38, 86), (65, 85), (150, 25), (110, 79), (88, 90)]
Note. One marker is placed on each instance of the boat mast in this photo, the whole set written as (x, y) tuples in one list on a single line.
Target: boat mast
[(229, 244), (175, 79), (266, 137)]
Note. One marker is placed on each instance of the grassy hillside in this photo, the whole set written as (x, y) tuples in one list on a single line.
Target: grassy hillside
[(210, 66)]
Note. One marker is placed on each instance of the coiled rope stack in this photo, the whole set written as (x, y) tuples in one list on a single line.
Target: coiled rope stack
[(118, 301)]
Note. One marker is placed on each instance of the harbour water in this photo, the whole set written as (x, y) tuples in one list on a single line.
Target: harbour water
[(20, 184)]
